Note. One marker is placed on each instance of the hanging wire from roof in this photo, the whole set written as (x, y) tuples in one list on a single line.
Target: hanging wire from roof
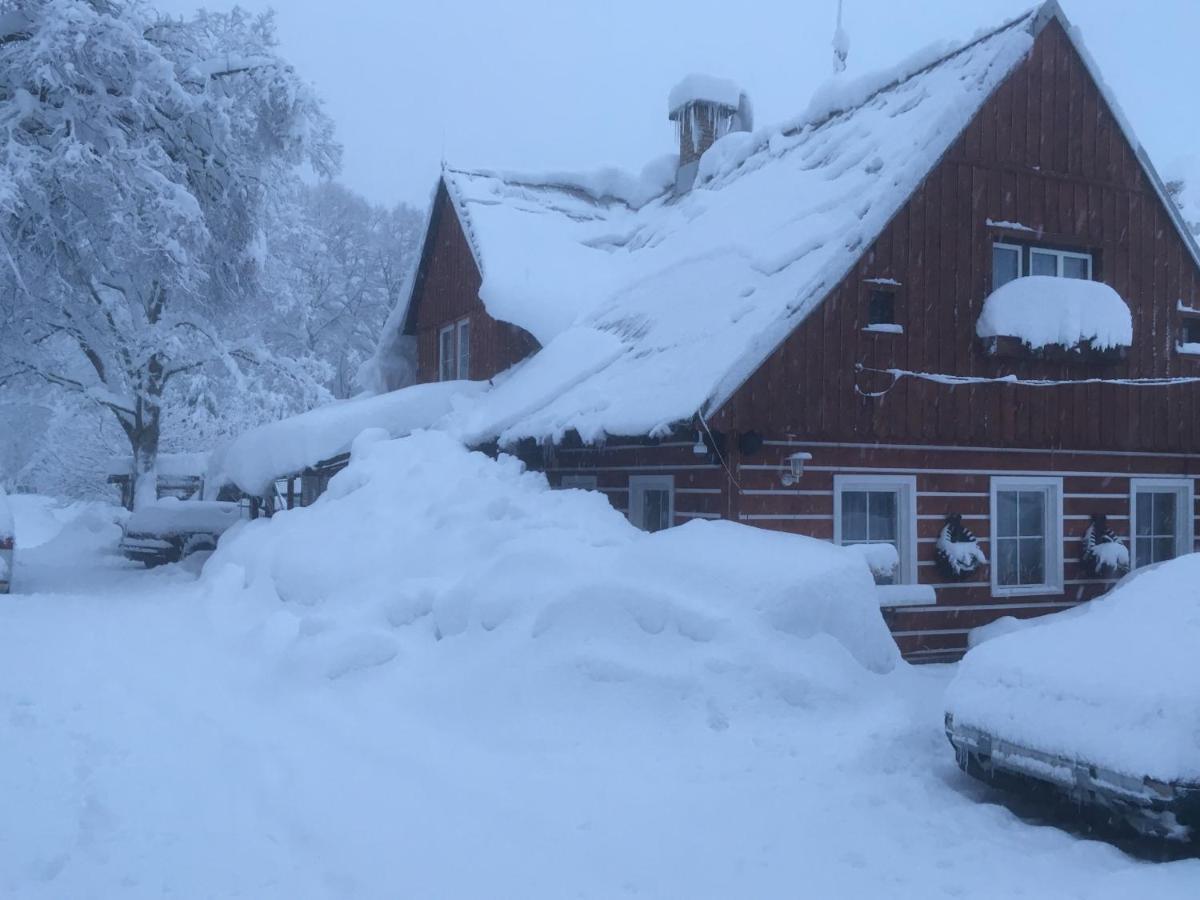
[(959, 380)]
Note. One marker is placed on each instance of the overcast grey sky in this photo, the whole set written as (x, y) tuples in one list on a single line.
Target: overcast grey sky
[(567, 85)]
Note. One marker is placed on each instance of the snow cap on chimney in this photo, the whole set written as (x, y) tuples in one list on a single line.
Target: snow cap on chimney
[(705, 109)]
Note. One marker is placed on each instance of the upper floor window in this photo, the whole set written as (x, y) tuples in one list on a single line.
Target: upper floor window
[(1060, 263), (454, 351), (1006, 264), (881, 308), (1012, 261)]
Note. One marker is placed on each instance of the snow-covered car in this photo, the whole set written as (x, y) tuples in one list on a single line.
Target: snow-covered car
[(7, 543), (1099, 705), (170, 529)]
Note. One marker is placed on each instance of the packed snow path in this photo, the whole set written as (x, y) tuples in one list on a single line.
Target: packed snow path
[(150, 745)]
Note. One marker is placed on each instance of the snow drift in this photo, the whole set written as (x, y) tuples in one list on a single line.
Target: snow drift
[(420, 535), (1113, 683), (1042, 310)]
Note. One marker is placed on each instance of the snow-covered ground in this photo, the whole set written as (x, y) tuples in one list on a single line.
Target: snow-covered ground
[(162, 734)]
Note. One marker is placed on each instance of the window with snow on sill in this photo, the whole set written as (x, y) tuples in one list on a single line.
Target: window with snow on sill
[(1044, 311)]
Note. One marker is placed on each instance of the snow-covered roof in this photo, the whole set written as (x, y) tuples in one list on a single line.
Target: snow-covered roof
[(254, 460), (669, 306), (651, 312), (699, 88), (168, 465), (1042, 310)]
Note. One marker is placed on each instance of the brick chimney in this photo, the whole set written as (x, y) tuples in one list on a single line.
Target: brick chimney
[(704, 110)]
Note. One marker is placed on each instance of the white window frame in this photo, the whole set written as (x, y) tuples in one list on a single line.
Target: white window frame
[(640, 483), (462, 356), (905, 487), (1053, 528), (1020, 251), (1059, 256), (578, 482), (447, 361), (1185, 511)]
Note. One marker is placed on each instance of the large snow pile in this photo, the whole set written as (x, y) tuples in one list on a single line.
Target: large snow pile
[(1114, 683), (422, 532), (1043, 310), (254, 460)]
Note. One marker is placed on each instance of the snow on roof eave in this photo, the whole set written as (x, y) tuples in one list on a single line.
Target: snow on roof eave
[(1051, 10), (744, 369)]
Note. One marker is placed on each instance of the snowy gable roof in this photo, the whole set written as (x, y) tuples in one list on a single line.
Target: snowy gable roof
[(652, 307), (669, 305)]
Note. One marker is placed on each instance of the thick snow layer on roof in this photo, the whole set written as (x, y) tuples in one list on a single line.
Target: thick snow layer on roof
[(698, 289), (1042, 310), (254, 460), (697, 88), (1113, 683), (170, 465)]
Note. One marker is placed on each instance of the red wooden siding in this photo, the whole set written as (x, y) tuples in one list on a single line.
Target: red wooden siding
[(1045, 151), (447, 291)]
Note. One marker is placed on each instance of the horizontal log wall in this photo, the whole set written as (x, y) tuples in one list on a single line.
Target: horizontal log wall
[(948, 480), (954, 480)]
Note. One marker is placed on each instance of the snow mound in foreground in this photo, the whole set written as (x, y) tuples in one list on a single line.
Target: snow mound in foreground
[(420, 540), (1114, 683)]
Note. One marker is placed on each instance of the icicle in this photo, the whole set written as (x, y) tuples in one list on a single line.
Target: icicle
[(841, 44)]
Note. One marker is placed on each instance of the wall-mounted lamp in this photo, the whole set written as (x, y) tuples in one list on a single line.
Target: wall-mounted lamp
[(795, 468), (700, 448)]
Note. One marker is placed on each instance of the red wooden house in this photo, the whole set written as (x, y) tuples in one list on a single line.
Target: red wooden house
[(789, 329)]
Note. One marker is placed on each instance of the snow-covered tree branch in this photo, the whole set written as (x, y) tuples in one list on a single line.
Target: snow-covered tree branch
[(140, 160)]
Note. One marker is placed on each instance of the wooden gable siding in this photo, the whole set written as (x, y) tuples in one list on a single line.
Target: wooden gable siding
[(1045, 151), (447, 291)]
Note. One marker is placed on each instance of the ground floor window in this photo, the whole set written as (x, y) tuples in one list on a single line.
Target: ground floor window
[(878, 510), (652, 501), (1161, 519), (1027, 535)]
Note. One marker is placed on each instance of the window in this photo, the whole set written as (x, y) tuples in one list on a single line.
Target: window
[(1060, 263), (446, 354), (464, 349), (1161, 519), (454, 351), (881, 308), (1191, 332), (872, 509), (1026, 536), (652, 501), (1012, 261), (580, 482), (1006, 264)]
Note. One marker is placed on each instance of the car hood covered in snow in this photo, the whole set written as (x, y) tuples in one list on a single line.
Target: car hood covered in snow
[(1114, 683)]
